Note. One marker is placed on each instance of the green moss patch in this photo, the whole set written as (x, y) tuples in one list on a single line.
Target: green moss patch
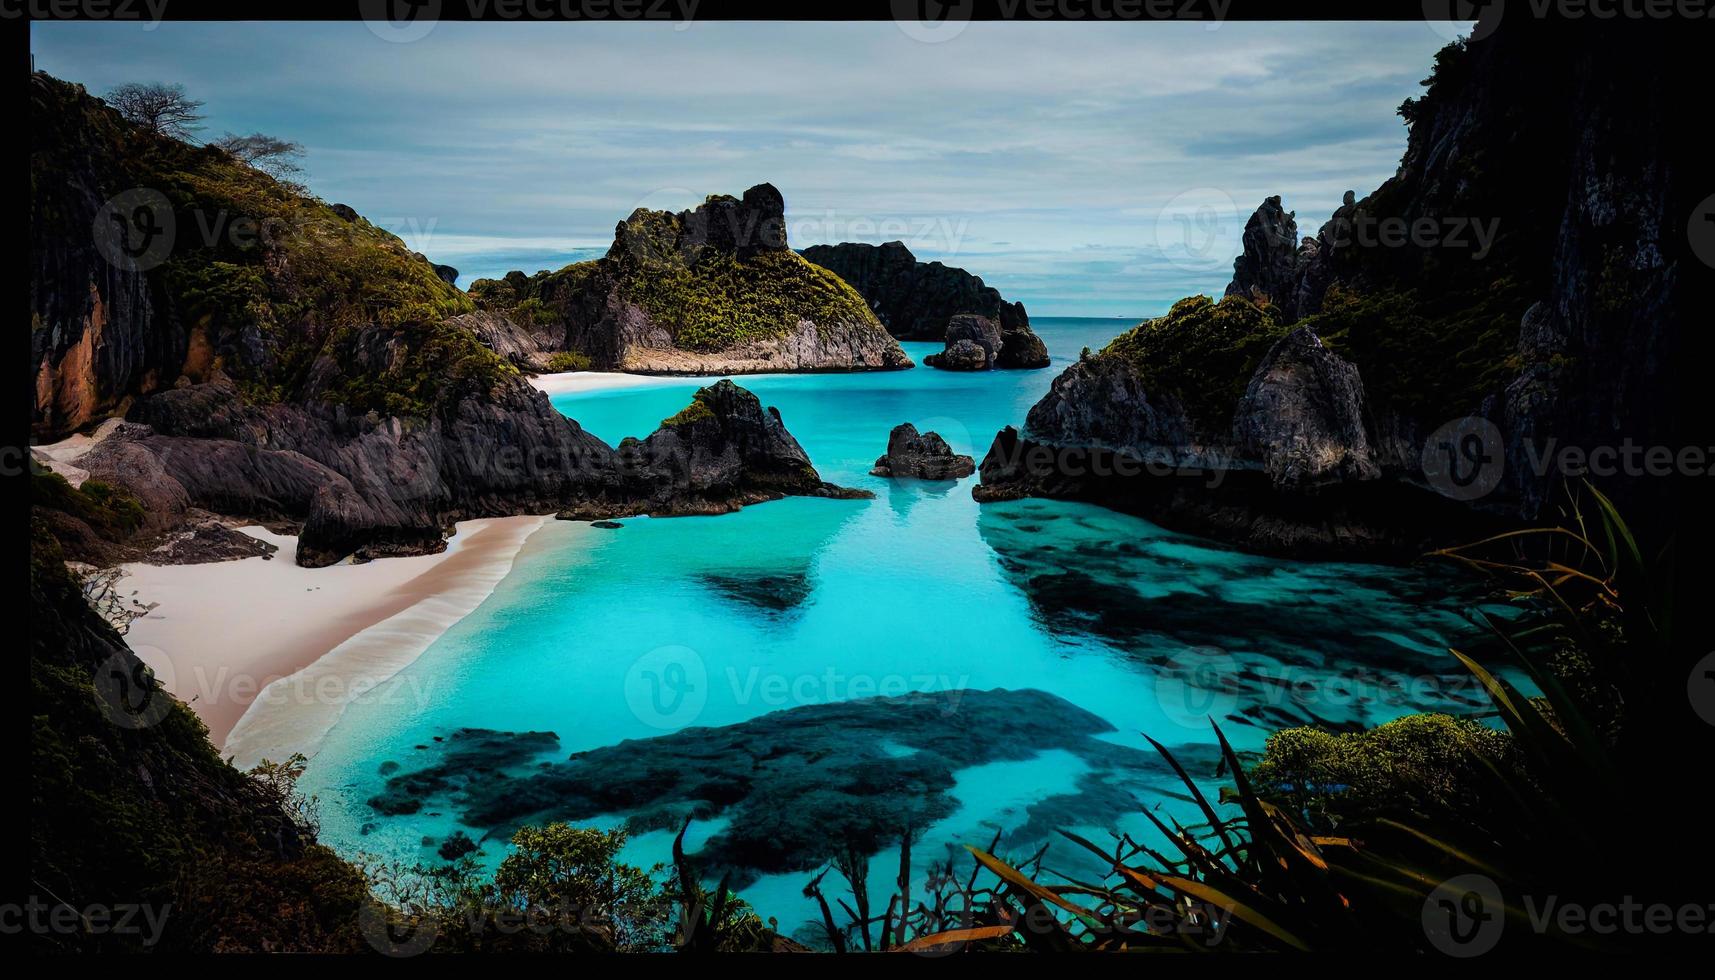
[(1203, 352)]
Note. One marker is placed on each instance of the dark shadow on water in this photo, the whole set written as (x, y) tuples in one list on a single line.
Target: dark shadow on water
[(1288, 643), (797, 785)]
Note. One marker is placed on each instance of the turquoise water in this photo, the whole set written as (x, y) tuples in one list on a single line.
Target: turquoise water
[(1053, 634)]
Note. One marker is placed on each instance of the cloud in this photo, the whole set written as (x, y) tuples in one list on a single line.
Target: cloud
[(531, 141)]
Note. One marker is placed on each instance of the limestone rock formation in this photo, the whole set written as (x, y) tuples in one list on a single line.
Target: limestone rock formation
[(710, 290), (921, 456), (916, 300)]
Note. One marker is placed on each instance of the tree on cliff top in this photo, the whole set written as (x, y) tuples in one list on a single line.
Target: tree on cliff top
[(159, 107), (273, 156)]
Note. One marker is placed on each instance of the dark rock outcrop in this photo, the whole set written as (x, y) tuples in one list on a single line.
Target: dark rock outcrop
[(712, 290), (1302, 415), (373, 488), (1540, 292), (921, 456), (1268, 267), (721, 452), (973, 343), (917, 300)]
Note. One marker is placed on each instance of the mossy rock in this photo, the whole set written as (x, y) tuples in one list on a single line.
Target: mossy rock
[(1203, 352)]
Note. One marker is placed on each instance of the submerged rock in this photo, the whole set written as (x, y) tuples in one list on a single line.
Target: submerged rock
[(799, 785), (922, 456), (774, 592)]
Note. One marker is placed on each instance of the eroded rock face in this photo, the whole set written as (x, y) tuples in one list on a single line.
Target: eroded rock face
[(917, 300), (1302, 416), (921, 456), (723, 451), (525, 347)]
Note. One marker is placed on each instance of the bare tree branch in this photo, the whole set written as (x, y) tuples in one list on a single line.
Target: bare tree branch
[(158, 107), (273, 156)]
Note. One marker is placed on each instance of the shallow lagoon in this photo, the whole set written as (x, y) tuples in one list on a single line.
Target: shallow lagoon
[(1052, 634)]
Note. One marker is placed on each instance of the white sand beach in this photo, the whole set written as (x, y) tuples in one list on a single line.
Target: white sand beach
[(572, 382), (268, 653)]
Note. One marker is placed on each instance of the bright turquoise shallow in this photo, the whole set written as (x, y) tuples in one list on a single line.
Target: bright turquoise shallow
[(601, 636)]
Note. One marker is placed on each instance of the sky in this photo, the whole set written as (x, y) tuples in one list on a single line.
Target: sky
[(1086, 169)]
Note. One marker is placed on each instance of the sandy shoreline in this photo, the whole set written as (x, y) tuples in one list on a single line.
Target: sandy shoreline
[(577, 382), (268, 654)]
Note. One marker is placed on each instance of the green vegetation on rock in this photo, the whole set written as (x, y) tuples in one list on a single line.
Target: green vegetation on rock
[(110, 511), (1426, 353), (1202, 351), (568, 361), (724, 301)]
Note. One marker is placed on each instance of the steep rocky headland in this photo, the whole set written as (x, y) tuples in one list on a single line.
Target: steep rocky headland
[(920, 300), (1486, 300), (302, 366), (711, 290)]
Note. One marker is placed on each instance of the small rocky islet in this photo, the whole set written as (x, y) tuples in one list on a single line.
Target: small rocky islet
[(922, 456)]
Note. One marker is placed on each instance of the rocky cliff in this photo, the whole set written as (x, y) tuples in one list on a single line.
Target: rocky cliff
[(300, 365), (918, 300), (711, 290), (1516, 287)]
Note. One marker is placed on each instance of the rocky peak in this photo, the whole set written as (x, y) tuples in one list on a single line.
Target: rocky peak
[(722, 224), (1267, 267)]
